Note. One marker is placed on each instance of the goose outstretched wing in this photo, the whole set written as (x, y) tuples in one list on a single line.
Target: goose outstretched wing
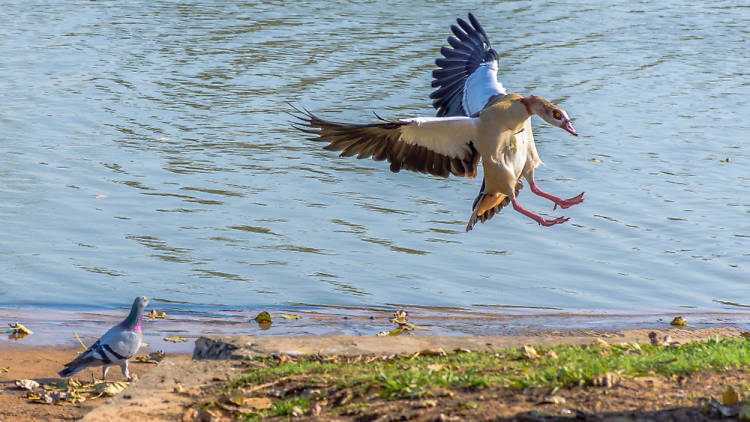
[(440, 146), (467, 77)]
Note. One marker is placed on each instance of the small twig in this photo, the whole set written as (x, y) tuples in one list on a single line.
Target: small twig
[(79, 340)]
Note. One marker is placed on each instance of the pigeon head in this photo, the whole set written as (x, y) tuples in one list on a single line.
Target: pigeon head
[(135, 318)]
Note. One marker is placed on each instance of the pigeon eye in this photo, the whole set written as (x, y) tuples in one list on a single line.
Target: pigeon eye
[(557, 115)]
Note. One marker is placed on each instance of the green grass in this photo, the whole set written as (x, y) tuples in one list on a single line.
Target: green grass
[(403, 377)]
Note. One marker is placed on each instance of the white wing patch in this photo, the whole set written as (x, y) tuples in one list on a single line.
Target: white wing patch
[(448, 136), (480, 86)]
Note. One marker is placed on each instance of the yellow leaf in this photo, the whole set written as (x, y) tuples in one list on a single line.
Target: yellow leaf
[(18, 328), (678, 321), (111, 388), (175, 339), (530, 353), (595, 160), (154, 357), (730, 396), (154, 314), (395, 332), (290, 316)]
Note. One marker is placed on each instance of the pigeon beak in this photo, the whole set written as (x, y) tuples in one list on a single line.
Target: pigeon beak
[(568, 127)]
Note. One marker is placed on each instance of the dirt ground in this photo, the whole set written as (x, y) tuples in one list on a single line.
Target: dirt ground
[(42, 365), (168, 391)]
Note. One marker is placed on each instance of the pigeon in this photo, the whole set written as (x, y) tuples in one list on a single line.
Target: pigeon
[(115, 347)]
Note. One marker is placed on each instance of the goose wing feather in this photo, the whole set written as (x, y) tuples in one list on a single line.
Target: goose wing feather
[(467, 74), (440, 146)]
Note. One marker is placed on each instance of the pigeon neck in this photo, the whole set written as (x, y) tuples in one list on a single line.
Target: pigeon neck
[(134, 319)]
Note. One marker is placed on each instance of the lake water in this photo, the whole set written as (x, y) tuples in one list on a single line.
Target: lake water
[(145, 150)]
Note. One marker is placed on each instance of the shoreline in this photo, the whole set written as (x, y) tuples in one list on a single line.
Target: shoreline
[(58, 328)]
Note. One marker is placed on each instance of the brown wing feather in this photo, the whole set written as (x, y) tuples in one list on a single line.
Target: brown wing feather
[(381, 142)]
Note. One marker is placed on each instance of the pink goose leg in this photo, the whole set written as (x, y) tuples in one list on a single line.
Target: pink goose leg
[(563, 203), (536, 217)]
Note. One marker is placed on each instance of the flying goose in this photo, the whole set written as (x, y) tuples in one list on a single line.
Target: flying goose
[(476, 118)]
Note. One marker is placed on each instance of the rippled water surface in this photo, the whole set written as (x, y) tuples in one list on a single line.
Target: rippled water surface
[(145, 149)]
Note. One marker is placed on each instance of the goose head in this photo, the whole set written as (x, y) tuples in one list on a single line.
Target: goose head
[(549, 112)]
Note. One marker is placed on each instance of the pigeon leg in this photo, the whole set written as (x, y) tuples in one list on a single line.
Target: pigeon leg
[(536, 217), (125, 371), (105, 368), (563, 203)]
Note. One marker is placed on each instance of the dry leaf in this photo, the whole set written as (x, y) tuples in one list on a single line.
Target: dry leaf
[(153, 357), (678, 321), (435, 351), (19, 329), (554, 399), (529, 352), (435, 366), (175, 339), (154, 314), (286, 316), (111, 388), (730, 396), (27, 384), (551, 354), (595, 160)]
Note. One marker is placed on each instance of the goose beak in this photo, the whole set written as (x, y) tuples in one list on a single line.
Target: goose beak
[(568, 127)]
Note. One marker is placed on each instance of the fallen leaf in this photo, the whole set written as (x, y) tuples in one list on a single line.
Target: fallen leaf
[(18, 328), (435, 366), (678, 321), (395, 332), (551, 354), (746, 335), (297, 412), (730, 396), (286, 316), (433, 351), (27, 384), (595, 160), (154, 314), (111, 388), (175, 339), (153, 357), (554, 399), (5, 369), (529, 352)]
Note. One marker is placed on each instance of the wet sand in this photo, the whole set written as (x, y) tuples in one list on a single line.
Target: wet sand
[(41, 364)]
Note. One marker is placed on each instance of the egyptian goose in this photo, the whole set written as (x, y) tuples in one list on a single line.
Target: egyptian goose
[(498, 130)]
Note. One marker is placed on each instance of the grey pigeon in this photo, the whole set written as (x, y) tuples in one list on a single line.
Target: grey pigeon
[(115, 347)]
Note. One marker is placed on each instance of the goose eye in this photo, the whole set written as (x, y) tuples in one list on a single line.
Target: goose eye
[(557, 115)]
